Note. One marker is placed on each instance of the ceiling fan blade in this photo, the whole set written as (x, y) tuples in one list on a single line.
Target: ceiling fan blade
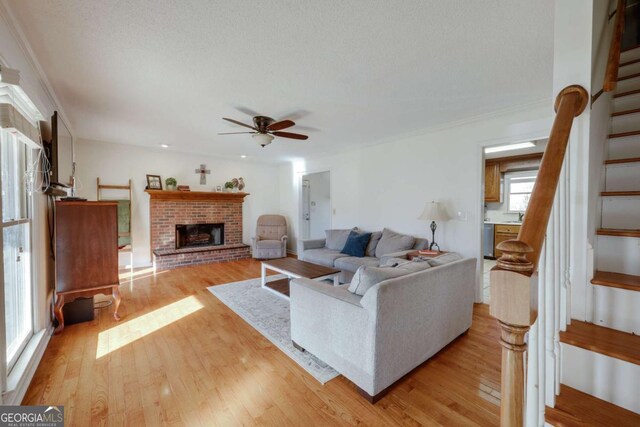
[(283, 124), (290, 135), (232, 133), (239, 123)]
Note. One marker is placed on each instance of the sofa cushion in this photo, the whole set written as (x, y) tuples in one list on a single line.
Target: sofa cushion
[(416, 264), (393, 242), (444, 259), (323, 256), (392, 262), (356, 244), (373, 243), (352, 263), (368, 276), (269, 244), (337, 238)]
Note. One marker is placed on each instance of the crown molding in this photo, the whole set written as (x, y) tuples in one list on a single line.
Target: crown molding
[(16, 30)]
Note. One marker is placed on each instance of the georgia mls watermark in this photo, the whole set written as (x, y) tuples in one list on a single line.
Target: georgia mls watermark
[(31, 416)]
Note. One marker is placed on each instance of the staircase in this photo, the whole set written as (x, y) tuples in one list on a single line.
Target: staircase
[(601, 360)]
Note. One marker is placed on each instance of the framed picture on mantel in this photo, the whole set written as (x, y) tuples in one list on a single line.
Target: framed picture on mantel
[(154, 182)]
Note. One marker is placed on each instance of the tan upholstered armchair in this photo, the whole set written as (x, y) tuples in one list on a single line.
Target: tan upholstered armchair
[(271, 237)]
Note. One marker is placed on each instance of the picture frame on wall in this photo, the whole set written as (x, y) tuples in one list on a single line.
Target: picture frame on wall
[(154, 182)]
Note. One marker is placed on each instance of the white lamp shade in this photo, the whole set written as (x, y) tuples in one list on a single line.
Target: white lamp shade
[(434, 211), (263, 139)]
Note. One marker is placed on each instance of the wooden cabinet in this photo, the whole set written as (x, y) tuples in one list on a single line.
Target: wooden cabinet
[(504, 232), (86, 253), (494, 168), (492, 191)]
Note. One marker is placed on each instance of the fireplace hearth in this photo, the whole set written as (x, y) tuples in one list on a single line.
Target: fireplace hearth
[(199, 235)]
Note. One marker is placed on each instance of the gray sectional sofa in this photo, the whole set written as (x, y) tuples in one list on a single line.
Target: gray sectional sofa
[(388, 321), (383, 245)]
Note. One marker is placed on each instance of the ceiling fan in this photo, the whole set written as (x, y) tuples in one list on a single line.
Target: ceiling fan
[(265, 128)]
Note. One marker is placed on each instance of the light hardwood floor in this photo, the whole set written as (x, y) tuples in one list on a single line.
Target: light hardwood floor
[(181, 357)]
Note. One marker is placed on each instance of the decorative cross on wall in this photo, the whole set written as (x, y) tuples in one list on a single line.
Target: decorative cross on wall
[(203, 171)]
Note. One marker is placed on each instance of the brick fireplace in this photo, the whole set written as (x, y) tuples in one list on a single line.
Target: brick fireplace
[(172, 212)]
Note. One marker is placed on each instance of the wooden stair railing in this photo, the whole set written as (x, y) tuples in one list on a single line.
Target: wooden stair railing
[(514, 290), (613, 61)]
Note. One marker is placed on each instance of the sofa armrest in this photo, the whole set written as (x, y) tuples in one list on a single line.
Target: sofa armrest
[(417, 315), (338, 292), (284, 239), (399, 254), (312, 244)]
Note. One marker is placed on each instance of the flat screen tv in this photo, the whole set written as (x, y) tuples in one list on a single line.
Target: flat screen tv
[(61, 155)]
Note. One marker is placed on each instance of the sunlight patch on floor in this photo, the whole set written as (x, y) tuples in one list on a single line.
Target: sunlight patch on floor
[(132, 330), (138, 273)]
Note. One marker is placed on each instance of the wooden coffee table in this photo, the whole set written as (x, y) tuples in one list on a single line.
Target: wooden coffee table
[(295, 269)]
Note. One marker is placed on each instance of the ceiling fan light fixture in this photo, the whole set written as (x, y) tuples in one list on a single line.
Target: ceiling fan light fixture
[(263, 139)]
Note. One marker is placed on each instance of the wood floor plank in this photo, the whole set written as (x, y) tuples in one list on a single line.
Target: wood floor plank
[(209, 367)]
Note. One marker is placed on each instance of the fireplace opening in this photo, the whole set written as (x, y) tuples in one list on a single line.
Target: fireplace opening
[(198, 235)]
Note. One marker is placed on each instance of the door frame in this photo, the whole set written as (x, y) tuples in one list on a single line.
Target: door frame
[(301, 176), (480, 157)]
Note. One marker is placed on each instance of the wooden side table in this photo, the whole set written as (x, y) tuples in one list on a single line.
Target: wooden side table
[(416, 254)]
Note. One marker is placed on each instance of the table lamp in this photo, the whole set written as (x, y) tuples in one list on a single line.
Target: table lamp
[(433, 211)]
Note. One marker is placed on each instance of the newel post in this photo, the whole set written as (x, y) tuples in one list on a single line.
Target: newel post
[(514, 293), (514, 281)]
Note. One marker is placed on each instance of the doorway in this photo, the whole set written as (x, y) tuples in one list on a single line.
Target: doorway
[(510, 172), (316, 205)]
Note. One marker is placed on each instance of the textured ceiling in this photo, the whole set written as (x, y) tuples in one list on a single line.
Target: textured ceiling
[(348, 72)]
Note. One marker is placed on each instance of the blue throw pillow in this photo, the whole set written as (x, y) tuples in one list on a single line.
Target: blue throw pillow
[(356, 244)]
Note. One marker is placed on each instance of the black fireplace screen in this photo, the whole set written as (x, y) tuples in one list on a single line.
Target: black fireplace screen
[(198, 235)]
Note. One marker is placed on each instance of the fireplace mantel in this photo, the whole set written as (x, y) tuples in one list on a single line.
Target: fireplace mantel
[(197, 195)]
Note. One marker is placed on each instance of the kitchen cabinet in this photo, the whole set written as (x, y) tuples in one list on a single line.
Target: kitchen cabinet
[(504, 232), (494, 168), (492, 176)]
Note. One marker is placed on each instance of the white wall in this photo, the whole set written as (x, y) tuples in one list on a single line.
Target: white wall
[(13, 55), (571, 66), (387, 185), (116, 163), (320, 199)]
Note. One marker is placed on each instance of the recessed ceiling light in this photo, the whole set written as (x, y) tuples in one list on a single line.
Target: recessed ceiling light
[(165, 145), (509, 147), (243, 156)]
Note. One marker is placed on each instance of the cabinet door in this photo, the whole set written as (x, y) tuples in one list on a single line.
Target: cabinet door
[(501, 237), (492, 182)]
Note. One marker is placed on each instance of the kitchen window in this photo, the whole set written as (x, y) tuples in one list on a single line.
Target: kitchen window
[(518, 188)]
